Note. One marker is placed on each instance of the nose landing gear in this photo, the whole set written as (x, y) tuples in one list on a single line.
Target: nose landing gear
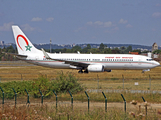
[(86, 71), (81, 71)]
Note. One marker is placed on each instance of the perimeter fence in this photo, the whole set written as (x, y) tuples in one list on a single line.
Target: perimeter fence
[(71, 101), (14, 99)]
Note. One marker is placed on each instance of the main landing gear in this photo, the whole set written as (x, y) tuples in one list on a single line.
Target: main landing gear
[(86, 71), (81, 71)]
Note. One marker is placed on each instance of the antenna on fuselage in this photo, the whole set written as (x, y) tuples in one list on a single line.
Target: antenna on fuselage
[(78, 52)]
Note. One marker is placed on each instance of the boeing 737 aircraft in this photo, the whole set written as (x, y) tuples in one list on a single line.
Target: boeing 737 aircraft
[(83, 62)]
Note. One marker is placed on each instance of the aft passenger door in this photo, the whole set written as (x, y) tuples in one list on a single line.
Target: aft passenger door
[(139, 61), (37, 57)]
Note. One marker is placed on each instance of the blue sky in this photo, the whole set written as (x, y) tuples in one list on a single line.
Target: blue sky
[(83, 21)]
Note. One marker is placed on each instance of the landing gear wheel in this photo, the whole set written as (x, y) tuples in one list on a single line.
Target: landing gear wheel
[(86, 71), (80, 71)]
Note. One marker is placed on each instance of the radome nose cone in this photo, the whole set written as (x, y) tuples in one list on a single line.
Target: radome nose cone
[(158, 64)]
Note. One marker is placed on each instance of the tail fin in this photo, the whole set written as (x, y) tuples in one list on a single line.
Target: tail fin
[(24, 46)]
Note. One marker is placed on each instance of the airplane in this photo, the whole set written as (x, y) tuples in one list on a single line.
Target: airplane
[(83, 62)]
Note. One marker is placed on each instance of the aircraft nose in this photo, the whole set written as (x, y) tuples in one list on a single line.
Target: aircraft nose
[(157, 63)]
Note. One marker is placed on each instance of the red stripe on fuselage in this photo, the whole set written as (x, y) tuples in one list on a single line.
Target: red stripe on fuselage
[(97, 62)]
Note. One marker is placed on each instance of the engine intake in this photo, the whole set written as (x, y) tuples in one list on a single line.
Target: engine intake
[(95, 68)]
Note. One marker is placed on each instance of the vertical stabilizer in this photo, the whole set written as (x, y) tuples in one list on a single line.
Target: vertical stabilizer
[(24, 46)]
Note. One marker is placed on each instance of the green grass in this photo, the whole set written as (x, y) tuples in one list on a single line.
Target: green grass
[(111, 81), (31, 72), (118, 84)]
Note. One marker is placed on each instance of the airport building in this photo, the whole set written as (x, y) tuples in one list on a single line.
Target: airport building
[(1, 42), (154, 47)]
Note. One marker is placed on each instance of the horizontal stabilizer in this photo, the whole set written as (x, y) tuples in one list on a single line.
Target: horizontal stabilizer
[(17, 55)]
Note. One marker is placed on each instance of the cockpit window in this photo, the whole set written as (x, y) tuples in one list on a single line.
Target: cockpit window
[(149, 59)]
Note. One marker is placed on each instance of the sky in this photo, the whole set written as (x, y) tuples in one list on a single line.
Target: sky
[(83, 21)]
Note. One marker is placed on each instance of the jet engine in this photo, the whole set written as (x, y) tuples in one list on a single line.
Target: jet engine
[(95, 68)]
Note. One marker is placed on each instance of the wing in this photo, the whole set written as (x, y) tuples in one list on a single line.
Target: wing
[(73, 63)]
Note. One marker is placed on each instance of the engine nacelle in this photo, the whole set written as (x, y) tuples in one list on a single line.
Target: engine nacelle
[(95, 68)]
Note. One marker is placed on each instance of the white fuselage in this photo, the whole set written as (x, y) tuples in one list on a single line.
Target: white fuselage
[(109, 61), (85, 62)]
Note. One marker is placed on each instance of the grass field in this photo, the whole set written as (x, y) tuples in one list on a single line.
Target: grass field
[(95, 81), (113, 80), (101, 81)]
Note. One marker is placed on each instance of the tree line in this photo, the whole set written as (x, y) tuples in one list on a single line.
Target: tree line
[(103, 49), (7, 57)]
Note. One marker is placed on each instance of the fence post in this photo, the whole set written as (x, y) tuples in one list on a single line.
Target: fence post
[(71, 99), (105, 101), (97, 83), (88, 100), (143, 98), (41, 96), (15, 96), (124, 102), (149, 82), (2, 95), (145, 105), (56, 98), (28, 102)]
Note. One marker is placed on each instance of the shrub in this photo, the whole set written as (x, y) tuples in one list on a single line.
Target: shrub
[(66, 82), (43, 84), (63, 83)]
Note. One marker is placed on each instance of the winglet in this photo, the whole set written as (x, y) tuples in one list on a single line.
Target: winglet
[(45, 54)]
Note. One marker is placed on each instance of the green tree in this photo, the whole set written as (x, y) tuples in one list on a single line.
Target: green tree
[(145, 51), (10, 49), (86, 49), (102, 46), (76, 48), (88, 46), (94, 50), (116, 51), (64, 50), (68, 51), (156, 51), (4, 56), (128, 49), (107, 51), (122, 49)]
